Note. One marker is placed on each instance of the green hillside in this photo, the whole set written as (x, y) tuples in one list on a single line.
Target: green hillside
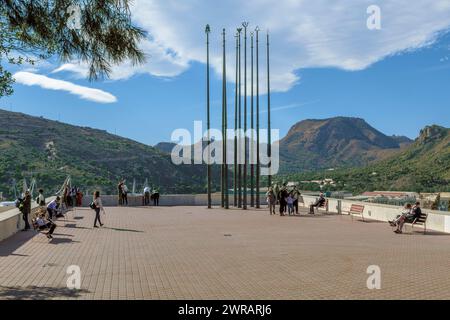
[(423, 167), (49, 151)]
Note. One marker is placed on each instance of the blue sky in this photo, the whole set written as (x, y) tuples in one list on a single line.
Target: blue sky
[(396, 87)]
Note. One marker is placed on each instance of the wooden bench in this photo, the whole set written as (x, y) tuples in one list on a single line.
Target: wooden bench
[(356, 210), (420, 221), (324, 206)]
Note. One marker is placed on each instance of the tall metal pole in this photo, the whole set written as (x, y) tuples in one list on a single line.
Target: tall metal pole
[(269, 138), (236, 126), (240, 124), (222, 167), (245, 25), (208, 124), (258, 170), (252, 167), (225, 125)]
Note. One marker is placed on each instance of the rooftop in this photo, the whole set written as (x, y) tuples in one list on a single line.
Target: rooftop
[(195, 253)]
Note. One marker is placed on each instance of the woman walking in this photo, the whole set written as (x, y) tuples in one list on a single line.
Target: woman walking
[(97, 206)]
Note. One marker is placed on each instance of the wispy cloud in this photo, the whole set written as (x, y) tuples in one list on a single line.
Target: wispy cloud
[(33, 79), (304, 34), (291, 106)]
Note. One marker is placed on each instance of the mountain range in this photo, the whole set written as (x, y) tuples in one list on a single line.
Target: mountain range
[(49, 151), (335, 142)]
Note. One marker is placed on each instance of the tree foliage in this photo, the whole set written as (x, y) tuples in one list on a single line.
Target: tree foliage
[(102, 36)]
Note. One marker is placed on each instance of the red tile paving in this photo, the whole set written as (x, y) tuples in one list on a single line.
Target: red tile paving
[(195, 253)]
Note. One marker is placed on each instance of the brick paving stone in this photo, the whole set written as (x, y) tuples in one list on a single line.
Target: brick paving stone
[(196, 253)]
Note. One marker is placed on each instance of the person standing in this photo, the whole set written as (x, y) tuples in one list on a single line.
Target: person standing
[(296, 195), (125, 194), (119, 192), (271, 200), (155, 196), (40, 200), (98, 206), (146, 196), (26, 209), (73, 196), (290, 203), (282, 198), (79, 198)]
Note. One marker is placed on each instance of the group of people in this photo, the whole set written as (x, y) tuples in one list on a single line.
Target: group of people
[(409, 214), (288, 200), (42, 221), (151, 195), (72, 197)]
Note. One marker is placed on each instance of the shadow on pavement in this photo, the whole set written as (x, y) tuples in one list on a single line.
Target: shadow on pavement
[(123, 230), (38, 293)]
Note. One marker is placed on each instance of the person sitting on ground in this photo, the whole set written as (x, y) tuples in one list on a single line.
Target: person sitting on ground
[(290, 203), (43, 224), (271, 200), (319, 203), (52, 207)]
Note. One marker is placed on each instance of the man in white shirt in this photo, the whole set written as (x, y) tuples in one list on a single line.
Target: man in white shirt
[(52, 207), (146, 196)]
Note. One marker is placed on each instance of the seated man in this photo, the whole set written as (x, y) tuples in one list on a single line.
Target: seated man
[(52, 207), (318, 204), (408, 216), (43, 224)]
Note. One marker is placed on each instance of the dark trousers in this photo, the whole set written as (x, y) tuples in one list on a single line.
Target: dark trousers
[(282, 206), (97, 216), (156, 199), (315, 205), (296, 206), (146, 199), (50, 226), (125, 199), (25, 219), (51, 212)]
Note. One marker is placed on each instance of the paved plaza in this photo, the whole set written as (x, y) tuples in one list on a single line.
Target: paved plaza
[(195, 253)]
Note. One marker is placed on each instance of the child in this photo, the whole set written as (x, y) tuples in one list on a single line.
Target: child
[(290, 202)]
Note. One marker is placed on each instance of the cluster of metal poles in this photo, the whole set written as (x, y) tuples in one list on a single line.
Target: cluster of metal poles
[(241, 172)]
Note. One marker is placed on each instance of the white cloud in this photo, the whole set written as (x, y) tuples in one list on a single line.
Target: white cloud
[(304, 34), (33, 79)]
